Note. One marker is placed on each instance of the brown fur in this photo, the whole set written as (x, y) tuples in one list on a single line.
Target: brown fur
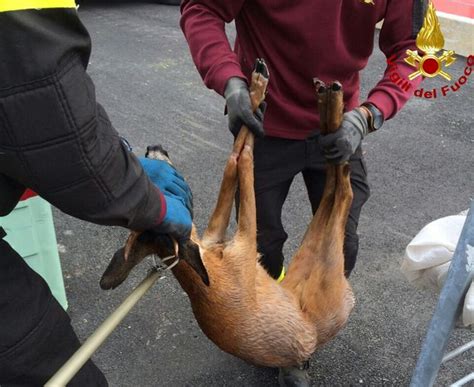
[(246, 312)]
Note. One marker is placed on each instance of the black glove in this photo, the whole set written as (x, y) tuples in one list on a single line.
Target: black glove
[(239, 108), (339, 146)]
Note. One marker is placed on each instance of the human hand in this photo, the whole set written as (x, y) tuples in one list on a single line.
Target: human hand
[(168, 180), (177, 222), (239, 108), (161, 240), (339, 146)]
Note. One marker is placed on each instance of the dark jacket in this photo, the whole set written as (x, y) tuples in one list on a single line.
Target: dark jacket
[(54, 137)]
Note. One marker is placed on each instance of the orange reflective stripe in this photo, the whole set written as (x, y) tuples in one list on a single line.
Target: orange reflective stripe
[(17, 5)]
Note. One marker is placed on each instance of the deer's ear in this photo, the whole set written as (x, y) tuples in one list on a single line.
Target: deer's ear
[(137, 247), (116, 271), (189, 252)]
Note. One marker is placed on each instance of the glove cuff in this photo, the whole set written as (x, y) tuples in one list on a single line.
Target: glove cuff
[(233, 86), (359, 120), (375, 116), (164, 208)]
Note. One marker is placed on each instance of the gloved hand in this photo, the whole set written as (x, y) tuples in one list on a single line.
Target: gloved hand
[(168, 180), (339, 146), (239, 108), (177, 222)]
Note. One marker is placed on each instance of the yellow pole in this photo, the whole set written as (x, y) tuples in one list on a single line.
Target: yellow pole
[(74, 364)]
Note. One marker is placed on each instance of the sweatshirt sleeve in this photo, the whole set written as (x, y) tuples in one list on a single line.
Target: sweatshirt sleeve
[(403, 20), (203, 24)]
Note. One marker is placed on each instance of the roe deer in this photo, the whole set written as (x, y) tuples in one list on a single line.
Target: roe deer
[(236, 303)]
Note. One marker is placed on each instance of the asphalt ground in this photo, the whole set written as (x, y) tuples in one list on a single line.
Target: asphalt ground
[(420, 168)]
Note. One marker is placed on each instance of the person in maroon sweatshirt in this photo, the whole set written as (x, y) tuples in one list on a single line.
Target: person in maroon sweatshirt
[(301, 40)]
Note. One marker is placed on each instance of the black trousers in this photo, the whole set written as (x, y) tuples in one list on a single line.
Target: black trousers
[(37, 337), (277, 161)]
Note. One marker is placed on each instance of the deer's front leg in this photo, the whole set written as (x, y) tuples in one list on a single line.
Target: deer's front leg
[(216, 230), (247, 223), (241, 253), (219, 221)]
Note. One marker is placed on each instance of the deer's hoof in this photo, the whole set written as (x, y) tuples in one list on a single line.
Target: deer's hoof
[(294, 377)]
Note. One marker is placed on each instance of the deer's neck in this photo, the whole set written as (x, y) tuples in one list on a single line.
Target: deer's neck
[(188, 279)]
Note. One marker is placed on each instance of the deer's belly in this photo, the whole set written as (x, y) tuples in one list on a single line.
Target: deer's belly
[(265, 328)]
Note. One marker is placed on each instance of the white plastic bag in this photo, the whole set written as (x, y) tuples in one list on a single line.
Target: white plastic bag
[(429, 254)]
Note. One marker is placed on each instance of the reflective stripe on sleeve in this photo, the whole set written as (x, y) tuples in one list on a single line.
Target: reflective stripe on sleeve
[(17, 5)]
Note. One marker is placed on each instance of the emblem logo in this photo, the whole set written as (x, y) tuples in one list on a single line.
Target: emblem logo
[(430, 40)]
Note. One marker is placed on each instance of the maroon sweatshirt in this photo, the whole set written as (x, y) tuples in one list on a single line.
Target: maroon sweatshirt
[(300, 40)]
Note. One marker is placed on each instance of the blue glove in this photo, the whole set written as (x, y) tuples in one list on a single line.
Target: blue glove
[(177, 222), (168, 180)]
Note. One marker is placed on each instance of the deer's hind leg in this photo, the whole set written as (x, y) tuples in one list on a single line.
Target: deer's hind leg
[(304, 259), (325, 293), (342, 205), (332, 245)]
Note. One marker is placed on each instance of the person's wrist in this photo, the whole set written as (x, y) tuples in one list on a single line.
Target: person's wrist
[(164, 208), (374, 116), (233, 85), (367, 115), (365, 112), (357, 120)]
